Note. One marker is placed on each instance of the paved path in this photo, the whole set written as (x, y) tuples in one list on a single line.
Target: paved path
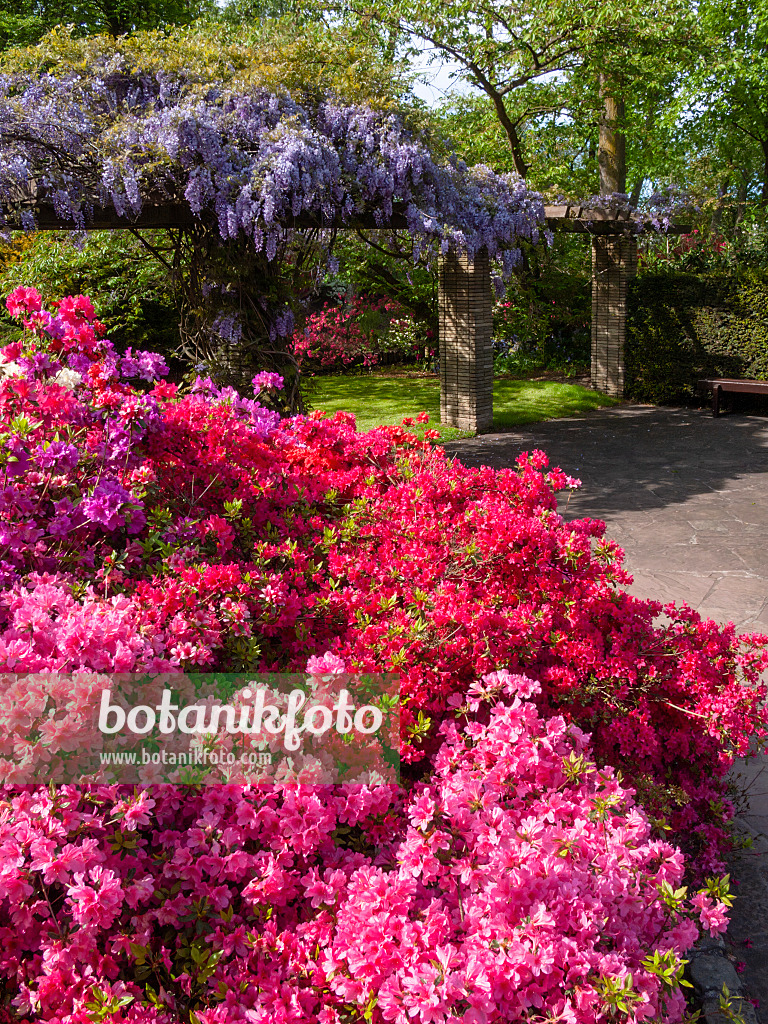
[(686, 496)]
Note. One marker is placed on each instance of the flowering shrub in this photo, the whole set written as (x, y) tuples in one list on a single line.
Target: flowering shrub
[(146, 529), (245, 542), (409, 341), (516, 323), (518, 878), (695, 252), (338, 337), (52, 728)]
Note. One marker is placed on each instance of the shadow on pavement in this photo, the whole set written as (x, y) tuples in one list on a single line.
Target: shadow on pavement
[(634, 457)]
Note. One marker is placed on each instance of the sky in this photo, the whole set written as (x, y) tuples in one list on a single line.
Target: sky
[(435, 80)]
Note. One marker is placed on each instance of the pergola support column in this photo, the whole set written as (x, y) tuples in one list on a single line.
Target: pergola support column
[(614, 263), (466, 356)]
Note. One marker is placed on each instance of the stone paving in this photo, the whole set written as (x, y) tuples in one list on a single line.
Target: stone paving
[(686, 496)]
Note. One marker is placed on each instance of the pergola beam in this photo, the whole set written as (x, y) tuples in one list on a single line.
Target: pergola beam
[(174, 214), (586, 221), (178, 215)]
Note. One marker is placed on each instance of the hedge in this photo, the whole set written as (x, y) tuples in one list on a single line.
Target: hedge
[(682, 327)]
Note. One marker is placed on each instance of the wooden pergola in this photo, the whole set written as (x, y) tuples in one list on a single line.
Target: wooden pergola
[(464, 295)]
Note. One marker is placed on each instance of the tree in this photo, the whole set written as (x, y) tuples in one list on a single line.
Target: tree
[(245, 12), (534, 60), (18, 24), (561, 149), (728, 92), (26, 22)]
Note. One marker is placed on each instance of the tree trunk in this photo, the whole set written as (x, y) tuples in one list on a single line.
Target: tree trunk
[(611, 153), (515, 143), (741, 206)]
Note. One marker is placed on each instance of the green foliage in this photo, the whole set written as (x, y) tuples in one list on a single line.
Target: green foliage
[(25, 22), (543, 322), (128, 286), (371, 263), (240, 12), (618, 994), (568, 356), (17, 26), (535, 65), (308, 59), (559, 133), (733, 80), (408, 341), (682, 327)]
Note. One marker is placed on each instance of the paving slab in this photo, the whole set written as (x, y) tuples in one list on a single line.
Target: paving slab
[(686, 496)]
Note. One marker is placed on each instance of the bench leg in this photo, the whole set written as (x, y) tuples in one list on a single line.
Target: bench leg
[(716, 400)]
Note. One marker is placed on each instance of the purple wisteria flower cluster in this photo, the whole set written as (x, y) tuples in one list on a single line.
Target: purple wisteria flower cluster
[(260, 182), (657, 214), (254, 164)]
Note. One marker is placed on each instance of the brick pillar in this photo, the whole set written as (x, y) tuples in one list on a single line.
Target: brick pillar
[(614, 262), (466, 356)]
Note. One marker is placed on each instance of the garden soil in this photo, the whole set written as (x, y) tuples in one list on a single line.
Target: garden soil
[(686, 496)]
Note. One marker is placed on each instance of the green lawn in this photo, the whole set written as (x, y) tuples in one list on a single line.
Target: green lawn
[(376, 399)]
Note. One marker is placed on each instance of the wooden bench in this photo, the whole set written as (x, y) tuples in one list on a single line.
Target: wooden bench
[(719, 386)]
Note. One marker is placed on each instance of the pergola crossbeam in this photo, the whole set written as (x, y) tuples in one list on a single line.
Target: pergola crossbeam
[(174, 215)]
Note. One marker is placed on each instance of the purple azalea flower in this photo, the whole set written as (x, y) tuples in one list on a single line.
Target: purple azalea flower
[(56, 328), (16, 450), (129, 366), (151, 366), (78, 362), (58, 454), (36, 363), (102, 506)]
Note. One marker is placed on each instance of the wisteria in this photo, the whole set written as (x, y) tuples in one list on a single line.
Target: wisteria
[(255, 164), (259, 184)]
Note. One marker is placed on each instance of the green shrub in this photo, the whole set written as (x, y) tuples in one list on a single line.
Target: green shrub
[(543, 323), (128, 286), (683, 327)]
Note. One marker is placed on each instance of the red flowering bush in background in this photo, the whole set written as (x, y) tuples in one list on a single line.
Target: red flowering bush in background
[(144, 529), (357, 334)]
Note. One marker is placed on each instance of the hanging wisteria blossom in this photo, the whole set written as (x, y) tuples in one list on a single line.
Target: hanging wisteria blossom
[(253, 164), (259, 184)]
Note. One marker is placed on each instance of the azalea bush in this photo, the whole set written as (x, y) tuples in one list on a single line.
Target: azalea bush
[(337, 337), (519, 878), (147, 528), (361, 333)]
